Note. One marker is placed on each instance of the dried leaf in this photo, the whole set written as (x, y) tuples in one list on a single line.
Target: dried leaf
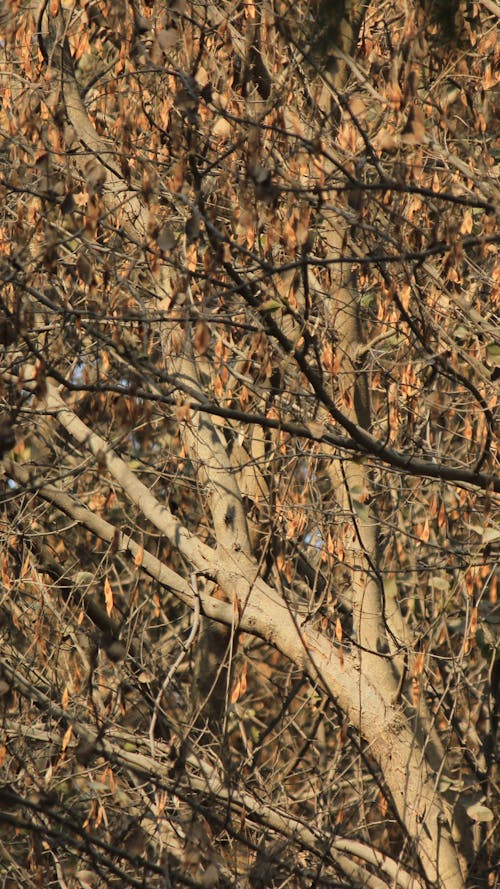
[(108, 597), (183, 413), (202, 337), (424, 531), (68, 734), (466, 227), (192, 228), (139, 556), (243, 678), (414, 132), (145, 676), (338, 630), (419, 663), (415, 692), (480, 812), (235, 694), (84, 269)]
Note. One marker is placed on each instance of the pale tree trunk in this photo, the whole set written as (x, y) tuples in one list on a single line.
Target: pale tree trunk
[(384, 644)]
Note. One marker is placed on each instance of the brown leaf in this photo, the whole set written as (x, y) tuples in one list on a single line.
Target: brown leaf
[(414, 131), (84, 269), (192, 228), (202, 337)]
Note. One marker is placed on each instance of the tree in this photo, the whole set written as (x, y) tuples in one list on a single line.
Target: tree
[(250, 478)]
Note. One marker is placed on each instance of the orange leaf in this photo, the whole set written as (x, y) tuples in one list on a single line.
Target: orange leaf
[(240, 685), (183, 413), (108, 597), (338, 630), (469, 642), (236, 692), (405, 294), (424, 532), (5, 574), (415, 692), (237, 607), (138, 557), (243, 678), (441, 516), (191, 257), (466, 227), (67, 738), (419, 663), (65, 698)]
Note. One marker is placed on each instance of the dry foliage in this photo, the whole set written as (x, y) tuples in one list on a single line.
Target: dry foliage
[(250, 355)]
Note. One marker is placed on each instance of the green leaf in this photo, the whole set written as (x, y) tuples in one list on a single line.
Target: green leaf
[(83, 578), (440, 583), (271, 305), (361, 510), (493, 353)]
